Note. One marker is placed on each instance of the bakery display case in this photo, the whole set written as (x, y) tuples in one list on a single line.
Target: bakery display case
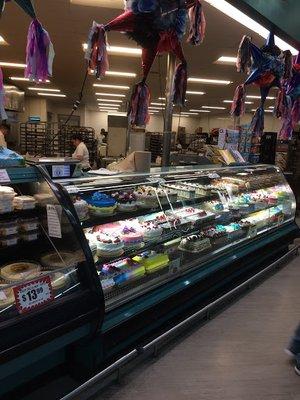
[(145, 230), (45, 282)]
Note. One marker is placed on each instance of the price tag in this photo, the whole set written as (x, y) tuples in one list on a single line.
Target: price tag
[(4, 178), (54, 220), (72, 189), (34, 294), (61, 171)]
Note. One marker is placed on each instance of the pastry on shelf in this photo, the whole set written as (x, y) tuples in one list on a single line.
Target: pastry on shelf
[(82, 208), (28, 224), (24, 202), (100, 204), (183, 191), (7, 195), (30, 236), (152, 231), (8, 228), (152, 197), (195, 243), (43, 199), (7, 297), (152, 261), (109, 246), (218, 237), (53, 261), (126, 200), (58, 280), (132, 237), (9, 241), (20, 271)]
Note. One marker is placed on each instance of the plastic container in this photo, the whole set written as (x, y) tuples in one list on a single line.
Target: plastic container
[(28, 224), (24, 202), (9, 241), (30, 236), (8, 228)]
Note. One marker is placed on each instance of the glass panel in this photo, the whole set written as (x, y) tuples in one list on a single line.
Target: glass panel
[(144, 230), (27, 250)]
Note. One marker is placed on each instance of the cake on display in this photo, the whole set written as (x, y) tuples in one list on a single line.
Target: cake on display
[(7, 297), (82, 208), (126, 200), (109, 246), (195, 243), (62, 259), (152, 231), (218, 237), (183, 191), (100, 204), (20, 271), (132, 237), (152, 261), (7, 195), (24, 202), (152, 197)]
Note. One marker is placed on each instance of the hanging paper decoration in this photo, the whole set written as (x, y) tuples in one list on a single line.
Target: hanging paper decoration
[(265, 66), (39, 50), (3, 114), (288, 100), (156, 26)]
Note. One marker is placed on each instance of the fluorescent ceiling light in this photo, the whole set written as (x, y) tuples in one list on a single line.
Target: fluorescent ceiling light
[(99, 3), (269, 111), (226, 59), (231, 101), (38, 89), (12, 65), (243, 19), (189, 113), (258, 97), (110, 100), (272, 107), (200, 111), (156, 108), (214, 107), (157, 104), (131, 51), (111, 86), (52, 94), (110, 94), (21, 78), (192, 92), (210, 81), (118, 114), (180, 115), (120, 73), (161, 98), (109, 105), (108, 109)]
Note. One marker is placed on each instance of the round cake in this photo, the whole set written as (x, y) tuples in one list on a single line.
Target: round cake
[(82, 209), (6, 296), (53, 261), (195, 243), (20, 271), (132, 237), (151, 231), (126, 200), (109, 246), (101, 204)]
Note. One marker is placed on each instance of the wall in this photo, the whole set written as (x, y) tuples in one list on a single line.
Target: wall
[(34, 106)]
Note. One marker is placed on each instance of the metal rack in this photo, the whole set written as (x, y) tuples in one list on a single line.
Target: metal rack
[(53, 139)]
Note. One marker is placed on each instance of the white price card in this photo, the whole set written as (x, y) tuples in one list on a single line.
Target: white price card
[(72, 189), (33, 294), (213, 175), (4, 178), (54, 220)]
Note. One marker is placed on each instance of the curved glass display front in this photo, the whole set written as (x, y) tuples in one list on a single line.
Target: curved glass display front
[(146, 229)]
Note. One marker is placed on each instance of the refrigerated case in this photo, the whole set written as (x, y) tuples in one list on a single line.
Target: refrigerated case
[(47, 288), (162, 241)]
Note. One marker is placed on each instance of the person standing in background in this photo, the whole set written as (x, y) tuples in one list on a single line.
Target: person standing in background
[(293, 349), (4, 131), (81, 152)]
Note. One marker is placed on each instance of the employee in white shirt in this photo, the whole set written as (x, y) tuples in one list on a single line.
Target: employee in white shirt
[(4, 131), (81, 152)]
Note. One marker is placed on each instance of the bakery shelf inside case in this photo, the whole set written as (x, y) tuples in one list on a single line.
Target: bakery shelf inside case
[(33, 251), (144, 230)]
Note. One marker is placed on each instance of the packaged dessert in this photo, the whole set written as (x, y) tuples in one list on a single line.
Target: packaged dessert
[(195, 243), (7, 193), (30, 236), (8, 228), (62, 259), (6, 206), (182, 190), (82, 208), (7, 297), (24, 202), (20, 271), (43, 199), (29, 224), (58, 280), (9, 241)]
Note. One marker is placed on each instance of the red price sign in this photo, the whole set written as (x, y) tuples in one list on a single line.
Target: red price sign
[(33, 294)]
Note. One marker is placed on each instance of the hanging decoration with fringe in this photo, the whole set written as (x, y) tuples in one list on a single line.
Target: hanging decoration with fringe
[(265, 67), (3, 114), (156, 26), (39, 49)]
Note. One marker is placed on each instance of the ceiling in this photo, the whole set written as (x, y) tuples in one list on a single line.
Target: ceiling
[(68, 23)]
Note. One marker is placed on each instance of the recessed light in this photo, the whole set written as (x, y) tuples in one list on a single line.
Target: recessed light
[(52, 94), (210, 81), (227, 60), (231, 101), (110, 100), (243, 19), (12, 65), (214, 107), (21, 78), (120, 73), (110, 94), (38, 89), (193, 92), (258, 97), (111, 86), (200, 111)]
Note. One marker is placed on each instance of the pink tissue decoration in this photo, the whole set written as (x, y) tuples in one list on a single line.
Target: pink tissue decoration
[(96, 53)]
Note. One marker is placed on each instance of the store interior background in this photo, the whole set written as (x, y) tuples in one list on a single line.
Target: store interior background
[(68, 22)]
